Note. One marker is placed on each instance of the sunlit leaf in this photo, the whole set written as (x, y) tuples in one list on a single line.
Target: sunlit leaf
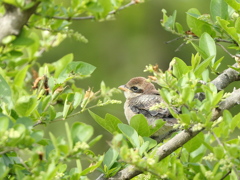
[(231, 31), (25, 105), (109, 123), (92, 167), (110, 157), (197, 25), (179, 67), (81, 132), (5, 94), (207, 44), (61, 64), (130, 134), (140, 124), (234, 4), (218, 8)]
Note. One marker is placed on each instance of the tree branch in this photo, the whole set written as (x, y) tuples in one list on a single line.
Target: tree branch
[(14, 19), (227, 77), (222, 81)]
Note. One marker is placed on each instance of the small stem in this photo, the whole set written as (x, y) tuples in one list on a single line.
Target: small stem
[(232, 56), (6, 151), (38, 123), (175, 39), (224, 40), (226, 175), (218, 140)]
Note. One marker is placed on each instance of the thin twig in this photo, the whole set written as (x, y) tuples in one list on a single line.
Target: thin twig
[(181, 45), (224, 40), (218, 140), (175, 39), (38, 123), (226, 175), (232, 56), (45, 29), (6, 151)]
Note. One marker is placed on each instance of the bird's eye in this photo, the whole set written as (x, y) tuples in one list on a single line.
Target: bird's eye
[(135, 89)]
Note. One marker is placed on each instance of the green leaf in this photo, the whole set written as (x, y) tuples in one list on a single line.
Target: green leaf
[(69, 136), (140, 124), (217, 64), (8, 39), (235, 122), (61, 64), (185, 118), (37, 135), (231, 31), (179, 67), (218, 8), (143, 148), (148, 144), (107, 6), (130, 134), (77, 99), (51, 112), (202, 67), (25, 105), (20, 77), (78, 68), (95, 140), (92, 167), (194, 143), (24, 38), (188, 94), (158, 125), (234, 4), (198, 49), (12, 2), (44, 103), (169, 21), (5, 93), (4, 170), (109, 123), (227, 116), (196, 25), (68, 105), (110, 158), (26, 121), (219, 152), (217, 98), (4, 121), (152, 142), (207, 44), (237, 25), (179, 28), (195, 60), (81, 132)]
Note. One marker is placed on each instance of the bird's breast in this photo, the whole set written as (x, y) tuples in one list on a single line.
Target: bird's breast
[(128, 111)]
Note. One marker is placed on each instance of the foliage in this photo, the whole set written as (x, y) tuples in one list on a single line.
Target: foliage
[(28, 153), (34, 94)]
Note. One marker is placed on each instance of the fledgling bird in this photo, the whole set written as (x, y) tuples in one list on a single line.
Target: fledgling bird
[(141, 95)]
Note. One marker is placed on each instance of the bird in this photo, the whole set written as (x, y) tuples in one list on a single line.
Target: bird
[(140, 96)]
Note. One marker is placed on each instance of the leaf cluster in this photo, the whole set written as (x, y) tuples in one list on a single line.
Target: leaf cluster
[(34, 94)]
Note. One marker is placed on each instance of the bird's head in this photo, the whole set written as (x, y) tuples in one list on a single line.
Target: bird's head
[(138, 86)]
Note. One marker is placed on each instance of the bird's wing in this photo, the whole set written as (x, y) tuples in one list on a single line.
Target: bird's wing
[(142, 104)]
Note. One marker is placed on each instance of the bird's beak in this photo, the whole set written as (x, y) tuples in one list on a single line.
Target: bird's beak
[(123, 88)]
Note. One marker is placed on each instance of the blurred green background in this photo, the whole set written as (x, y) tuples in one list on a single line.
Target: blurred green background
[(120, 49)]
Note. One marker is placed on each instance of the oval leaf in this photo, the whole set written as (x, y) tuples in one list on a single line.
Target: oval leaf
[(130, 134), (140, 124)]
